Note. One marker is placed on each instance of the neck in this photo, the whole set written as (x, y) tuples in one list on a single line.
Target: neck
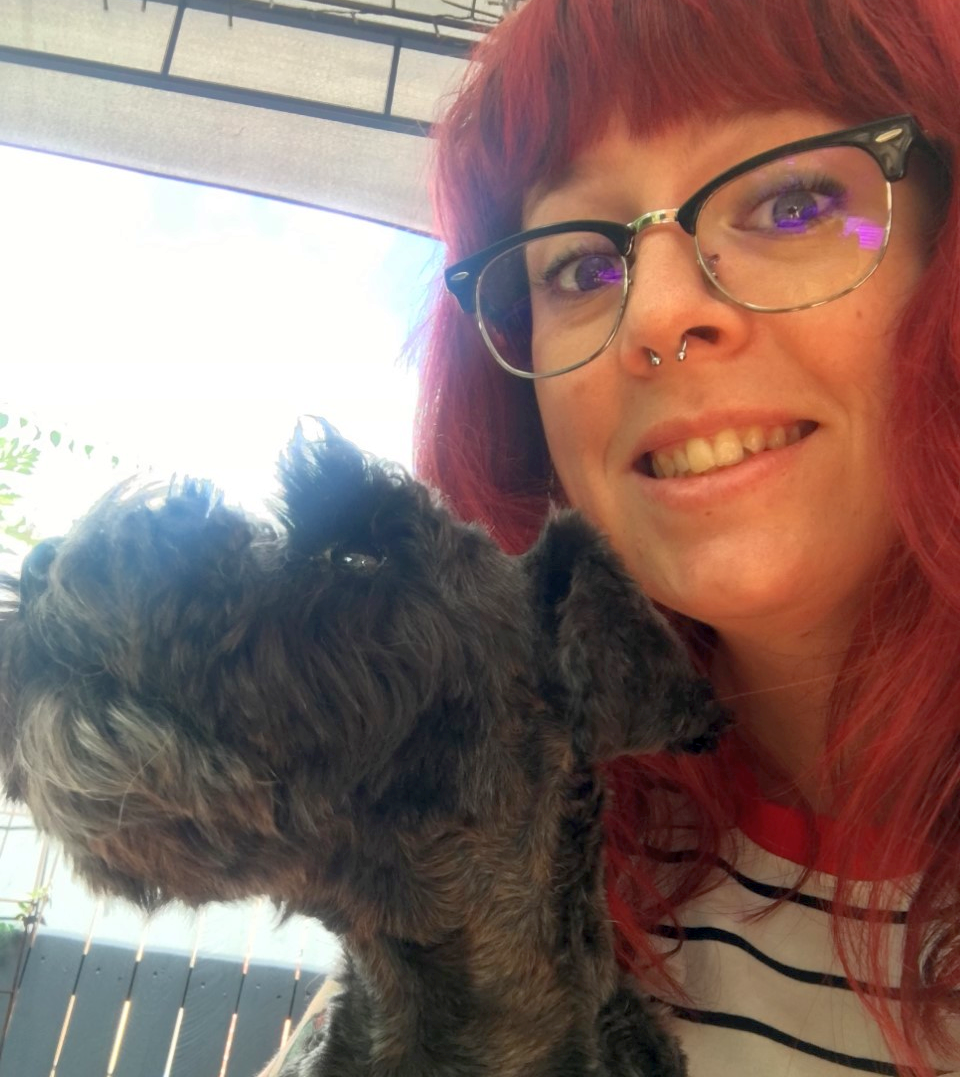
[(780, 696)]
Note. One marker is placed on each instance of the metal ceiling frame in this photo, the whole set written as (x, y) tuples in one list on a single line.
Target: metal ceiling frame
[(213, 124), (296, 18)]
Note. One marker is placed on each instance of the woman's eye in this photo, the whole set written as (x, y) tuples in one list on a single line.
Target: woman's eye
[(584, 273), (795, 209)]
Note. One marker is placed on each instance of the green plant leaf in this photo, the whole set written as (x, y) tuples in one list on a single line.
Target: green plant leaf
[(20, 457)]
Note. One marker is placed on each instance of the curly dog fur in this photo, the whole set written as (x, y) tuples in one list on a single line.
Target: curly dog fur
[(367, 711)]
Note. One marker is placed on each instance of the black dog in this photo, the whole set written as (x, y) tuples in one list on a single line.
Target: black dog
[(371, 714)]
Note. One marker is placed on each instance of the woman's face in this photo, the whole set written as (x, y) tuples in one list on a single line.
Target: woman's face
[(785, 541)]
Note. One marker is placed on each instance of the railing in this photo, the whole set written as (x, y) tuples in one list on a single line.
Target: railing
[(91, 990)]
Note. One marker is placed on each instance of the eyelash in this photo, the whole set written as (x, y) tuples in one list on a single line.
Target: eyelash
[(819, 183), (556, 267)]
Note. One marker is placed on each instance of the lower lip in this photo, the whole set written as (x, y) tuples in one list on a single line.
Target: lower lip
[(700, 491)]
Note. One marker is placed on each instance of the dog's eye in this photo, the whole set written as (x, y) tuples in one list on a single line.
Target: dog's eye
[(363, 562)]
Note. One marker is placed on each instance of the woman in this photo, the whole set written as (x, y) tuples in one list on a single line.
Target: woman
[(755, 398)]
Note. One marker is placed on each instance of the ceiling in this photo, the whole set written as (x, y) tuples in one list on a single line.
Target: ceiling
[(326, 104)]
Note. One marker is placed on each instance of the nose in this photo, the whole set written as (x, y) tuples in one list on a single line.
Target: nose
[(671, 301), (35, 569)]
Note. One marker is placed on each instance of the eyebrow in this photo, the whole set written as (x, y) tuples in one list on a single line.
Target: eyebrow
[(569, 173), (572, 172)]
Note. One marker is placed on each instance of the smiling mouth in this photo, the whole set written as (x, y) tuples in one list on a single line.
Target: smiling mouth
[(702, 456)]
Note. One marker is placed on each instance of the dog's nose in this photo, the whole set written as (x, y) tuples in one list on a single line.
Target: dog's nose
[(36, 565)]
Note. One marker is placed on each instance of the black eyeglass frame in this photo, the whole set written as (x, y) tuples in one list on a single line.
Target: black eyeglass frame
[(888, 141)]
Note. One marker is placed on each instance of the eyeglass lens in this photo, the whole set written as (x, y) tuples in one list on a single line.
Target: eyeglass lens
[(798, 231)]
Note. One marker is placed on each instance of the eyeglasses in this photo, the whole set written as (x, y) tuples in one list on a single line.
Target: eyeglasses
[(788, 229)]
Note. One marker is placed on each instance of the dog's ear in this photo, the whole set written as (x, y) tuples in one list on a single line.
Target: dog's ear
[(333, 494), (624, 673), (320, 472)]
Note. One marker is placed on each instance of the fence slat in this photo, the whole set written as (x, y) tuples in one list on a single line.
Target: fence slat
[(41, 1005), (307, 987), (12, 947), (154, 1004), (101, 992), (264, 1005), (209, 1004)]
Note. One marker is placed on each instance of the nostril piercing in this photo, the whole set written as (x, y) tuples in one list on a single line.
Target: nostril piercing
[(655, 359)]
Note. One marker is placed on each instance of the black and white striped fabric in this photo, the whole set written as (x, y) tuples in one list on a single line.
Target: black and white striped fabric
[(768, 996)]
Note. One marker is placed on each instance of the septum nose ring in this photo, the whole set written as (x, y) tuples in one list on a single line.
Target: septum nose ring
[(655, 359)]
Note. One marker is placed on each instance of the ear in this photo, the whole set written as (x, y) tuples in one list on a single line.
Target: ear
[(627, 678), (333, 493), (320, 472)]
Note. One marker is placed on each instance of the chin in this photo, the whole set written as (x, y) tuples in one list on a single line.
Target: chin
[(729, 600)]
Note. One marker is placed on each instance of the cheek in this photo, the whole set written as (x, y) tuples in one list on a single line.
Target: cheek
[(849, 356), (847, 347), (577, 420)]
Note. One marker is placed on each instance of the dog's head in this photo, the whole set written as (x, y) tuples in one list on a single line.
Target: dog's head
[(191, 698)]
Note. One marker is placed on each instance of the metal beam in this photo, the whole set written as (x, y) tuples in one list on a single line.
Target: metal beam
[(352, 19), (213, 91)]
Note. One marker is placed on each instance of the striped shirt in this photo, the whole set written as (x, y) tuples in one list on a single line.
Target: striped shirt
[(768, 996)]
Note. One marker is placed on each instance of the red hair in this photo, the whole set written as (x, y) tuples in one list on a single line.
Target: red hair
[(541, 87)]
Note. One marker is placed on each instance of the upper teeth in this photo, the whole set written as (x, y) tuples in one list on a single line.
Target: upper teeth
[(699, 455)]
